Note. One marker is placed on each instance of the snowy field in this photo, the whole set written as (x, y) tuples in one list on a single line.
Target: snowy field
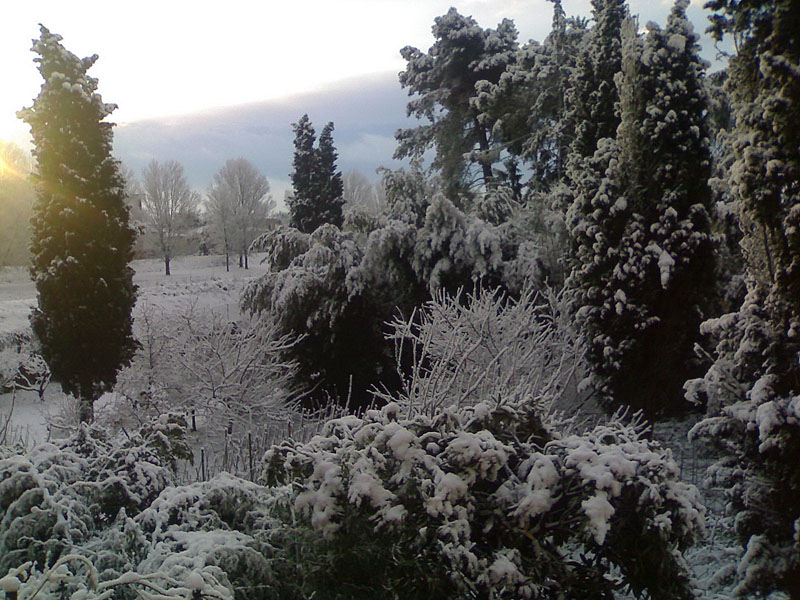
[(199, 282)]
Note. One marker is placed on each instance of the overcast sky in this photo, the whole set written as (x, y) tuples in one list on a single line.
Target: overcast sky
[(169, 57)]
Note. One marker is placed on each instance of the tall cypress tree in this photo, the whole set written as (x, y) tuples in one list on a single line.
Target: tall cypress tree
[(643, 236), (330, 187), (82, 242), (593, 97), (317, 184)]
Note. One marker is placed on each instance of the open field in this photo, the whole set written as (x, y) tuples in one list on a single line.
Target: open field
[(196, 281)]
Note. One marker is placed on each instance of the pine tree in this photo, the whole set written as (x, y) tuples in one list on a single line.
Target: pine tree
[(645, 255), (317, 198), (82, 242), (752, 389), (445, 79)]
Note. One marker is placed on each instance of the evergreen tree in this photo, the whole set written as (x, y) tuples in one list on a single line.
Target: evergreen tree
[(527, 105), (318, 190), (645, 261), (82, 242), (463, 56), (329, 185), (753, 387), (592, 98)]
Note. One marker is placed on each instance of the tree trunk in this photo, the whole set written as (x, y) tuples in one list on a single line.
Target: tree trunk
[(166, 265), (483, 144), (241, 263), (245, 261), (227, 262), (86, 410)]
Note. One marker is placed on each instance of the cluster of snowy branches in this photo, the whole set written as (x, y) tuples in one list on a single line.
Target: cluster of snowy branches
[(228, 375), (466, 349)]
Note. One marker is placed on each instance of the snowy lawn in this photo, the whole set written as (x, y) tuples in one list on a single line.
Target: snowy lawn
[(196, 281)]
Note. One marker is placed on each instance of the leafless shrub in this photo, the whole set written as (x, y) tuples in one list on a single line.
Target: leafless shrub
[(465, 349)]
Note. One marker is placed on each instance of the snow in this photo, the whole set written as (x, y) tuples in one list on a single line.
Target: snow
[(196, 281), (599, 511), (677, 42)]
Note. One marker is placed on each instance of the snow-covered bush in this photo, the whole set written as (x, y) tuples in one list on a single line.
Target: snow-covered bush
[(101, 518), (470, 347), (23, 370), (77, 577), (340, 349), (483, 501), (58, 495)]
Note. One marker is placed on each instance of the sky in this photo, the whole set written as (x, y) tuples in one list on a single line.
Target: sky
[(170, 58)]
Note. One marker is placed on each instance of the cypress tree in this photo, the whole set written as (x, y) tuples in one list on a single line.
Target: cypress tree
[(592, 99), (82, 242), (643, 238), (317, 184), (329, 185)]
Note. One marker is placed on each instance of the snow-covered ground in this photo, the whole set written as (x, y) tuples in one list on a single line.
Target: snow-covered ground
[(196, 281)]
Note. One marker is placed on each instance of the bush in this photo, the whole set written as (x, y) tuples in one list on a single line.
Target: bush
[(483, 501)]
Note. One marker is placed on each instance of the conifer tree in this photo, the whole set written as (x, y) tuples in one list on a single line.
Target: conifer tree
[(444, 80), (645, 255), (82, 242), (330, 188), (318, 191), (752, 389), (592, 98)]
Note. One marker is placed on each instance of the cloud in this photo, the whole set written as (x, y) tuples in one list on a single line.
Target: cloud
[(366, 111)]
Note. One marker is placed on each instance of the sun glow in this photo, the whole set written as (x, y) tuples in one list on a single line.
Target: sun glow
[(9, 170)]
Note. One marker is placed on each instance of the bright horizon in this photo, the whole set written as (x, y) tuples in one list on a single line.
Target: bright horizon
[(172, 58)]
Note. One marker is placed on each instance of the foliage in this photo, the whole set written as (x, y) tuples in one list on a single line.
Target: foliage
[(751, 389), (483, 501), (445, 79), (317, 185), (592, 96), (641, 228), (338, 292), (58, 496), (340, 346), (82, 242), (527, 104)]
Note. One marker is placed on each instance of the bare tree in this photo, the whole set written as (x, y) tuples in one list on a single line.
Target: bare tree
[(359, 191), (239, 202), (168, 202), (220, 213)]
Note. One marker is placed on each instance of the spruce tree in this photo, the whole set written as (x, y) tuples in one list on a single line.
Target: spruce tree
[(645, 254), (82, 242), (317, 197)]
